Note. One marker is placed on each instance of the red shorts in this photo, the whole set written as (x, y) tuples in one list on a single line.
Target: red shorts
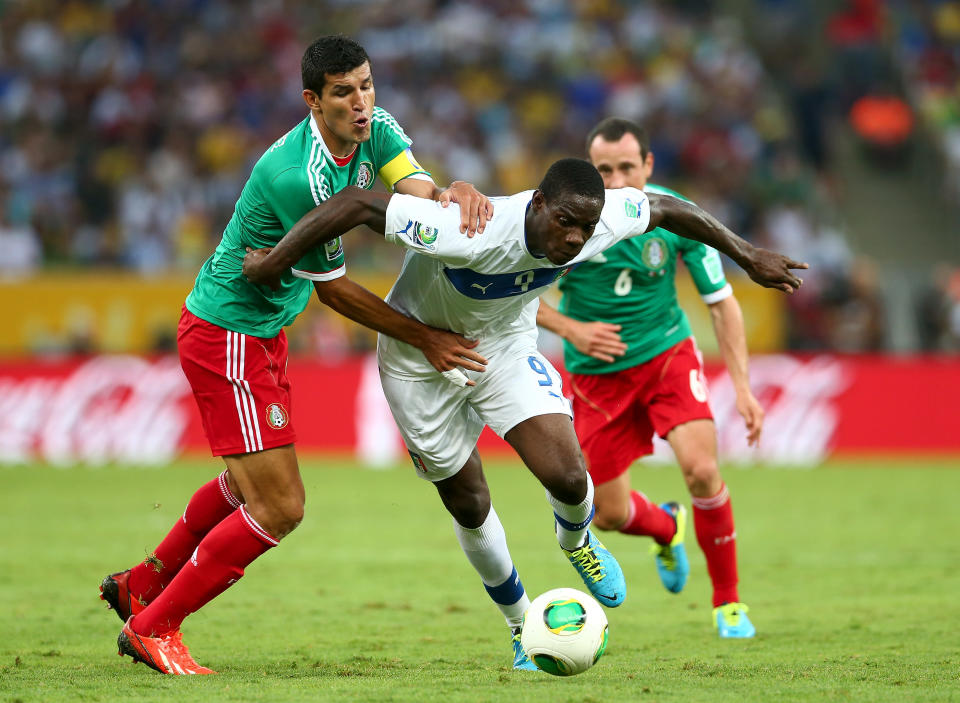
[(616, 414), (240, 384)]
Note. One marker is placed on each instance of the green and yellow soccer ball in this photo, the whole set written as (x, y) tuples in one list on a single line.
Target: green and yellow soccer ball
[(564, 632)]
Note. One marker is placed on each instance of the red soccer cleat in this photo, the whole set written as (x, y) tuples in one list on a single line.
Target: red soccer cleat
[(115, 592), (167, 654)]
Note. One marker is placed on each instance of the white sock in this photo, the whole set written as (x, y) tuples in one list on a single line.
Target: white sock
[(486, 549), (573, 521)]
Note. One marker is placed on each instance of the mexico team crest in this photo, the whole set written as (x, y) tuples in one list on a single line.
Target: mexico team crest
[(365, 174), (277, 416), (654, 253)]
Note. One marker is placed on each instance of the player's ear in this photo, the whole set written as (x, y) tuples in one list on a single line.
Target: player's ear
[(538, 200), (311, 99), (648, 164)]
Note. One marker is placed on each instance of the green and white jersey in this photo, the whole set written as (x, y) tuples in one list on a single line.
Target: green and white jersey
[(632, 284), (296, 174)]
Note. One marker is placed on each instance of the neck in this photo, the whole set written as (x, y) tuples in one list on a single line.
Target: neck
[(337, 147)]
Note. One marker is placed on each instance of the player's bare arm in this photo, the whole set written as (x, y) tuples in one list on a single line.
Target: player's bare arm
[(339, 213), (767, 268), (444, 350), (475, 207), (601, 340), (727, 319)]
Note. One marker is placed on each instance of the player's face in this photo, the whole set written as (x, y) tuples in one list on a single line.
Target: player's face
[(620, 163), (565, 226), (344, 108)]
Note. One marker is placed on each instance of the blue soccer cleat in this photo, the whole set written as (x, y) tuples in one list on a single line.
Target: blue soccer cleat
[(672, 563), (600, 571), (731, 621), (520, 659)]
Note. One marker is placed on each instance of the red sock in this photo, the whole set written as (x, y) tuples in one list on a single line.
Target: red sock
[(217, 564), (713, 521), (645, 518), (212, 502)]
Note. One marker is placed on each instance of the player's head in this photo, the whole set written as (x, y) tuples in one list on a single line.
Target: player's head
[(338, 88), (565, 209), (620, 149)]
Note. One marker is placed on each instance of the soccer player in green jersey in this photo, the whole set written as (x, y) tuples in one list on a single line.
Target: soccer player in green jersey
[(636, 370), (234, 352)]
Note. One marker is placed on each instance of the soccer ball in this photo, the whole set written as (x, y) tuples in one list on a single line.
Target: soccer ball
[(564, 631)]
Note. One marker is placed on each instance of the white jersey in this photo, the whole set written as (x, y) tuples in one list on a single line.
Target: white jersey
[(486, 287)]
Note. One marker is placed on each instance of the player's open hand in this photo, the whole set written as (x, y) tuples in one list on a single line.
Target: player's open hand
[(752, 414), (475, 207), (446, 351), (255, 271), (601, 340), (772, 270)]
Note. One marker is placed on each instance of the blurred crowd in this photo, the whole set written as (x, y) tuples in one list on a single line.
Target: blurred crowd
[(130, 126)]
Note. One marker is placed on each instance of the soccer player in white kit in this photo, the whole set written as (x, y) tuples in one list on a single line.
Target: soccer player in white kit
[(486, 288)]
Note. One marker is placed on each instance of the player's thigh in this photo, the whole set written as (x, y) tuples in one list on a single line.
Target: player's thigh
[(436, 422), (518, 385), (611, 422), (239, 384), (680, 395)]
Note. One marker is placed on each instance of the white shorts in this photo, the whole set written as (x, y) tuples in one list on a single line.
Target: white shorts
[(440, 423)]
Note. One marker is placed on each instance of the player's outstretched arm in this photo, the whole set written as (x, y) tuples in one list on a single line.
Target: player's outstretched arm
[(601, 340), (335, 216), (768, 268)]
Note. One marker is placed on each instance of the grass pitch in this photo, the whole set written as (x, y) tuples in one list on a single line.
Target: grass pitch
[(852, 573)]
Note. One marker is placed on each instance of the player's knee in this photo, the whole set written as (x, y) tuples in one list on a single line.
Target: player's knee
[(279, 519), (569, 486), (609, 515), (470, 509), (702, 475)]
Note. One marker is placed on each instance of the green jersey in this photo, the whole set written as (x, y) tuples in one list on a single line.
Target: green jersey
[(295, 175), (632, 284)]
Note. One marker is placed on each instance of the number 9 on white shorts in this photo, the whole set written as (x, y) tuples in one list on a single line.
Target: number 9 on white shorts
[(441, 423)]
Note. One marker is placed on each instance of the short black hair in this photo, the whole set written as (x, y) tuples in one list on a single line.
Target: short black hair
[(612, 129), (572, 177), (333, 53)]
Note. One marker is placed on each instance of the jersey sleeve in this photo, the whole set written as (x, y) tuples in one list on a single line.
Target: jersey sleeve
[(291, 199), (423, 226), (706, 269), (626, 211), (395, 160)]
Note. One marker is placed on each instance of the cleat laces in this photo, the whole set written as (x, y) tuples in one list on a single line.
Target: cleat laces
[(586, 559), (666, 555)]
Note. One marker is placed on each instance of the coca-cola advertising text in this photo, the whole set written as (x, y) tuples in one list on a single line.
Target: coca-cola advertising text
[(135, 410)]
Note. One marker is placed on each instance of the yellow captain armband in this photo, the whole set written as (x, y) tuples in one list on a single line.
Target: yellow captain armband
[(403, 165)]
